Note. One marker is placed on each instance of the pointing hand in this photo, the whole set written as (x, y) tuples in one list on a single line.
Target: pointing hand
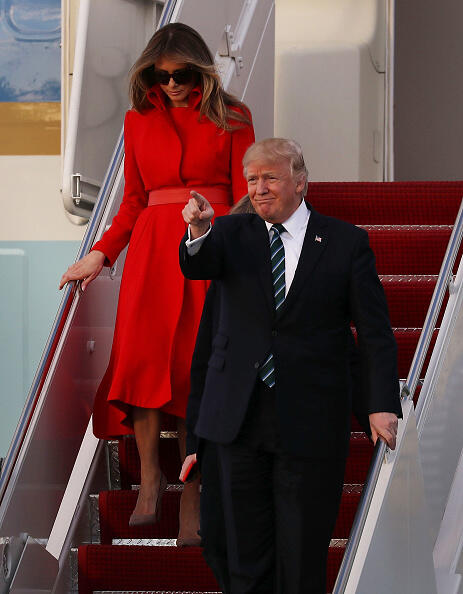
[(198, 214)]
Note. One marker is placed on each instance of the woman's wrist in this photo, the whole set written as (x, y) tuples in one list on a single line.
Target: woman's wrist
[(98, 255)]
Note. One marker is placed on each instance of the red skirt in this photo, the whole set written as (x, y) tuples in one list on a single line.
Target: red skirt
[(157, 321)]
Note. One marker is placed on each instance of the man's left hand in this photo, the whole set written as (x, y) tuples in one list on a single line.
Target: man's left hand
[(384, 425)]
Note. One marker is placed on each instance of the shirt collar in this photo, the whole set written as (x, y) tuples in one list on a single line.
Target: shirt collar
[(296, 221), (158, 98)]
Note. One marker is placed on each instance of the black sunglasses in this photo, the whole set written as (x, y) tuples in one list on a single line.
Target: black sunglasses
[(181, 77)]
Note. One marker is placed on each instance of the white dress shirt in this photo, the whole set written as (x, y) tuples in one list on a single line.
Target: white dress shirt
[(292, 238)]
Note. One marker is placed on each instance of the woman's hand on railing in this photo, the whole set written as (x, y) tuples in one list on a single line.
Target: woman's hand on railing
[(86, 269), (384, 425)]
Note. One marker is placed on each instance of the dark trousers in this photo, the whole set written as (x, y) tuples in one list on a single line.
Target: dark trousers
[(279, 509), (212, 530)]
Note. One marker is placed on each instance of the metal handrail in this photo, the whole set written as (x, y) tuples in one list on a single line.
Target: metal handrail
[(69, 295), (407, 392), (445, 277), (360, 517)]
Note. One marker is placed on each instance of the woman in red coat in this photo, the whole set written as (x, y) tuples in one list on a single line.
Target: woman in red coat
[(184, 133)]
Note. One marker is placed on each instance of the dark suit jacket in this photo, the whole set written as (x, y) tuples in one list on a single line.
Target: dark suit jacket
[(199, 366), (335, 282)]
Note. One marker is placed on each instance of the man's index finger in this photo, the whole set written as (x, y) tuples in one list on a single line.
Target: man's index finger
[(199, 199)]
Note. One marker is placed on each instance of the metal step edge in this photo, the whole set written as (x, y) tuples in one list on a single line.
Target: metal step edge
[(407, 278), (405, 227), (171, 487), (112, 464), (94, 518), (177, 487), (171, 542), (73, 571), (162, 434)]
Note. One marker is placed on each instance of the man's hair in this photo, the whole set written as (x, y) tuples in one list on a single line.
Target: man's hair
[(273, 150)]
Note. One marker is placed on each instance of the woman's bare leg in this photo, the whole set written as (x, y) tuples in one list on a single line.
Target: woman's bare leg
[(189, 501), (147, 426)]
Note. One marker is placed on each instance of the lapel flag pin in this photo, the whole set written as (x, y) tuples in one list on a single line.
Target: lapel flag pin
[(318, 238)]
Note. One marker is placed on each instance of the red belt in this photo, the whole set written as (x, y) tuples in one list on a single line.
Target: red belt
[(175, 195)]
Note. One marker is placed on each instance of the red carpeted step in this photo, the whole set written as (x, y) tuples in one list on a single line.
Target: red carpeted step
[(349, 503), (106, 567), (358, 461), (397, 203), (116, 506), (360, 447), (129, 462), (407, 340), (115, 509), (409, 250), (408, 299)]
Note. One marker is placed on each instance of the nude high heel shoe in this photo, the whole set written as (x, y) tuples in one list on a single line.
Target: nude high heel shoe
[(146, 519)]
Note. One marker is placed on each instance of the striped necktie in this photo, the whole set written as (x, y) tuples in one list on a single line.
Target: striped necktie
[(277, 258)]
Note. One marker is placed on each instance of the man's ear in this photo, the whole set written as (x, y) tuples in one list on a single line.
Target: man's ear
[(300, 183)]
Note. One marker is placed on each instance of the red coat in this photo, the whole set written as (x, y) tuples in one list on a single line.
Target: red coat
[(159, 311)]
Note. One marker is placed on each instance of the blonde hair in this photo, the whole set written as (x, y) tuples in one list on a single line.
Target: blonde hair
[(273, 150), (181, 43)]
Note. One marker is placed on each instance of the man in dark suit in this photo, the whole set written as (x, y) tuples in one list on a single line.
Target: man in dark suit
[(277, 395), (204, 452)]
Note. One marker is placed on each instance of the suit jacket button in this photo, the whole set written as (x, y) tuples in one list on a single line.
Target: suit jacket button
[(274, 333), (256, 365)]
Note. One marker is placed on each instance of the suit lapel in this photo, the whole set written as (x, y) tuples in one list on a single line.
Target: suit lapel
[(315, 241)]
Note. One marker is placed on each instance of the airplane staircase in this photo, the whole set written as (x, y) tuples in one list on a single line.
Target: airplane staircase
[(409, 225)]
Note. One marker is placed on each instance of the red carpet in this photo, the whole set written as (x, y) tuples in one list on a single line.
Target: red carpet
[(116, 506), (413, 250), (408, 298), (130, 464), (407, 340), (106, 567), (393, 203), (115, 509), (409, 225)]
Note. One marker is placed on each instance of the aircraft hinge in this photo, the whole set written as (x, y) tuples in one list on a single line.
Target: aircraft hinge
[(228, 48), (75, 187)]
